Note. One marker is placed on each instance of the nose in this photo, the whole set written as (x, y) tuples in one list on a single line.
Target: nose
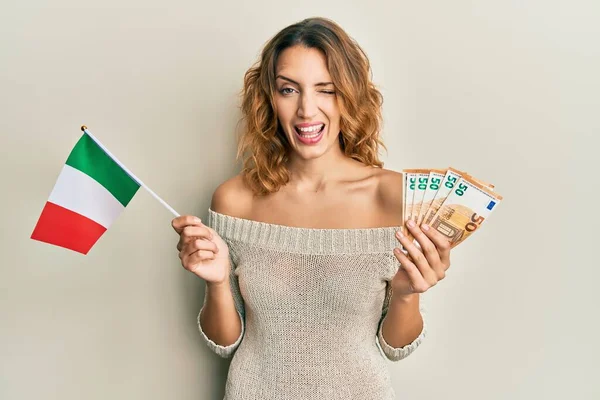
[(307, 108)]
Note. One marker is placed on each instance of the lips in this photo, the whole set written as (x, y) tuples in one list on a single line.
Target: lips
[(311, 136)]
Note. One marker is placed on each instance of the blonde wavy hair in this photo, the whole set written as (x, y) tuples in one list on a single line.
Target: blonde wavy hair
[(264, 146)]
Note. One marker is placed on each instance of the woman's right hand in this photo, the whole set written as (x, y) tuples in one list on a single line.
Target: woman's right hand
[(201, 250)]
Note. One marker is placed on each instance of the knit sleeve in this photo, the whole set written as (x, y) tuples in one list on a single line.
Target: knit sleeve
[(398, 353), (227, 351)]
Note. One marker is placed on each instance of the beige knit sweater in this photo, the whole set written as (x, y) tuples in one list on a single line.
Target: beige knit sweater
[(312, 304)]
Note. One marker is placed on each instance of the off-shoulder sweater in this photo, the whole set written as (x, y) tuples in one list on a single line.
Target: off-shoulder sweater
[(312, 304)]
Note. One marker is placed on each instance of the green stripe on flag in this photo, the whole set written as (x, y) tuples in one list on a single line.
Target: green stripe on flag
[(90, 159)]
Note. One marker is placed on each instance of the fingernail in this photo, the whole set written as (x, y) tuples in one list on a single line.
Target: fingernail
[(399, 234), (411, 223), (425, 227)]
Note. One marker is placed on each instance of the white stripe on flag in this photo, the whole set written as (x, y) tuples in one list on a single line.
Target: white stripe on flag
[(78, 192)]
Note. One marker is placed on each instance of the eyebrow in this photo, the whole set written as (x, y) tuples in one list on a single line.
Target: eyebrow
[(294, 82)]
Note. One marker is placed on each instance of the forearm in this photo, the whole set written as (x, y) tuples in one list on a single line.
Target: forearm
[(403, 322), (219, 319)]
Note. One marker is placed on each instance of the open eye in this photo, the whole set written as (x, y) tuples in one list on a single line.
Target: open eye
[(286, 90)]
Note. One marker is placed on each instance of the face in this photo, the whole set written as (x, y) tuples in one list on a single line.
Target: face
[(306, 102)]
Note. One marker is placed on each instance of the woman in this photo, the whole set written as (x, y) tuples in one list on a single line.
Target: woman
[(304, 284)]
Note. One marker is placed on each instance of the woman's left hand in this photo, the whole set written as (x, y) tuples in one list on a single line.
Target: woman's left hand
[(422, 268)]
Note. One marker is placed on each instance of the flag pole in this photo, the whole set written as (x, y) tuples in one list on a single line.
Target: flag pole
[(135, 178)]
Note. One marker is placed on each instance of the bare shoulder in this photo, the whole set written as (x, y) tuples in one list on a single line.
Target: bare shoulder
[(232, 197), (389, 191)]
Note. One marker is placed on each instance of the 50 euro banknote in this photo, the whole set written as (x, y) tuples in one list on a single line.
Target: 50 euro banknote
[(465, 209), (426, 192), (437, 191), (415, 184)]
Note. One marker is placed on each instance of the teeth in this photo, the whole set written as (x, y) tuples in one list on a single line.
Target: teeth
[(309, 136), (314, 128)]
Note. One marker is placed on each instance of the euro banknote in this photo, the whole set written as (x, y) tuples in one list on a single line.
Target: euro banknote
[(410, 183), (464, 210), (452, 201)]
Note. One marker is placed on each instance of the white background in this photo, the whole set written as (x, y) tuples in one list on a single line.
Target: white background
[(506, 90)]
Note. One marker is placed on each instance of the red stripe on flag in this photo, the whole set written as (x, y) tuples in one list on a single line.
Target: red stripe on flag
[(62, 227)]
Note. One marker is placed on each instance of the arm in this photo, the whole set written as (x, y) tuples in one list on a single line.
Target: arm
[(402, 327), (221, 318), (403, 322)]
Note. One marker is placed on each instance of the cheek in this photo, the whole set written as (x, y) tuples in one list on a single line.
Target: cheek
[(284, 113), (332, 111)]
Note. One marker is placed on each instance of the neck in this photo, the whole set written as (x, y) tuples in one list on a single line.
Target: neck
[(315, 175)]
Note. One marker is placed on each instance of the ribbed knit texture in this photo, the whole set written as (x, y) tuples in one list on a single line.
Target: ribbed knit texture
[(312, 304)]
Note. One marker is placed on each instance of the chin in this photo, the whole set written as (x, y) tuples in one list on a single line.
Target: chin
[(312, 155), (313, 152)]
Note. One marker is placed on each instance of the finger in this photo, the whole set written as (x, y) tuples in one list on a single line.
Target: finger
[(417, 258), (417, 281), (191, 232), (190, 260), (441, 242), (428, 248), (182, 244), (200, 245), (198, 250), (180, 222), (430, 251)]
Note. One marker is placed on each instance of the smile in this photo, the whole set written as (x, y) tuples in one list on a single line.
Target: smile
[(310, 134)]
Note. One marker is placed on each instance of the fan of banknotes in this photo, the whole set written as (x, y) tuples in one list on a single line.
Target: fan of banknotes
[(453, 202)]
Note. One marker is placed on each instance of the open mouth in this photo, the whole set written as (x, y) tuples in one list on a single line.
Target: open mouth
[(310, 135)]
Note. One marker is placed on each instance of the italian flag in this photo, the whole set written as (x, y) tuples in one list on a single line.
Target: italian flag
[(91, 192)]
